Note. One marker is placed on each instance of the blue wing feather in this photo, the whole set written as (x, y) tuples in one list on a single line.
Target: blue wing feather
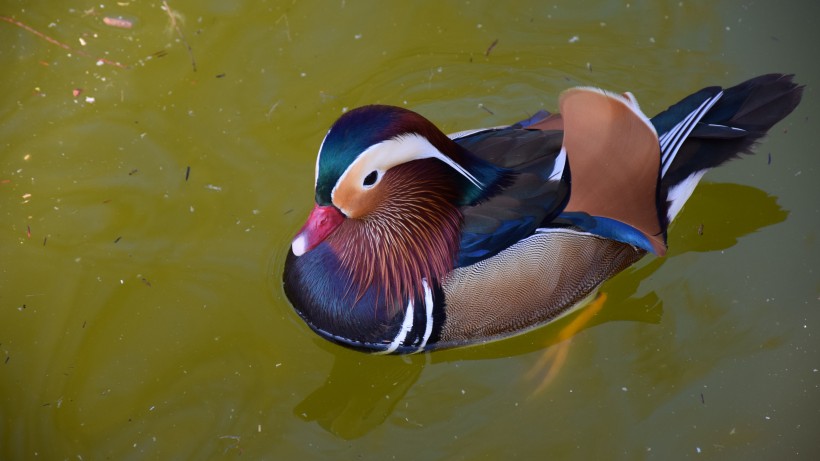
[(531, 200), (476, 246), (608, 228)]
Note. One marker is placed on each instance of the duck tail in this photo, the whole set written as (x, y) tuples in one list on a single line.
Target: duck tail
[(713, 126)]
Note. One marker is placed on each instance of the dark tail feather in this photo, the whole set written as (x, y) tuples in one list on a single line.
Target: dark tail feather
[(742, 115), (757, 104)]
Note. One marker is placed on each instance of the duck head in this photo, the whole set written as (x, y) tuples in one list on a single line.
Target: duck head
[(388, 189)]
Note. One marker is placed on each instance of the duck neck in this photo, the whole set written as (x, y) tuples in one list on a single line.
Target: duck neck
[(412, 236)]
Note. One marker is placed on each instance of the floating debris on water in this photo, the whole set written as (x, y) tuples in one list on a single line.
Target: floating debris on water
[(175, 18), (120, 22), (490, 48), (56, 42)]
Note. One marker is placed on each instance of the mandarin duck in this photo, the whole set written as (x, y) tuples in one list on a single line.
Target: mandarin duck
[(421, 241)]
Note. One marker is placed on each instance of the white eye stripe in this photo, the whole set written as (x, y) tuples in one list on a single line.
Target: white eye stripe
[(402, 149), (418, 144)]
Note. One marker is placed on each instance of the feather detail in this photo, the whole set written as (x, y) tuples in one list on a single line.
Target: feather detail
[(412, 235), (614, 160), (537, 194), (382, 128), (722, 124)]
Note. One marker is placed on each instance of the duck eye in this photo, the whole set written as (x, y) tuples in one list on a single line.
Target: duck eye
[(370, 179)]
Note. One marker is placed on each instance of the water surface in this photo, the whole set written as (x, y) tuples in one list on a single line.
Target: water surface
[(148, 194)]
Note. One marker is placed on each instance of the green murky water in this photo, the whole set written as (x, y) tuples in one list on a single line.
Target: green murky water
[(145, 212)]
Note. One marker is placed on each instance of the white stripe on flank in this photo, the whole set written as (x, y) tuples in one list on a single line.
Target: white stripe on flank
[(465, 133), (558, 168), (428, 306), (406, 326), (559, 230)]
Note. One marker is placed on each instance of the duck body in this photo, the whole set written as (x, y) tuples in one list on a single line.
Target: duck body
[(420, 241)]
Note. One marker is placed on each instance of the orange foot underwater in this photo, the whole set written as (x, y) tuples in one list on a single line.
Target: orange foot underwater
[(553, 358)]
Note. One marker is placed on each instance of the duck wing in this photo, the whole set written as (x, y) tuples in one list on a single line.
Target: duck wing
[(536, 194), (613, 153)]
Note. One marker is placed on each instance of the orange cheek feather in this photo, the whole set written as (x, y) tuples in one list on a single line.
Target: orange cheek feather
[(354, 201)]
